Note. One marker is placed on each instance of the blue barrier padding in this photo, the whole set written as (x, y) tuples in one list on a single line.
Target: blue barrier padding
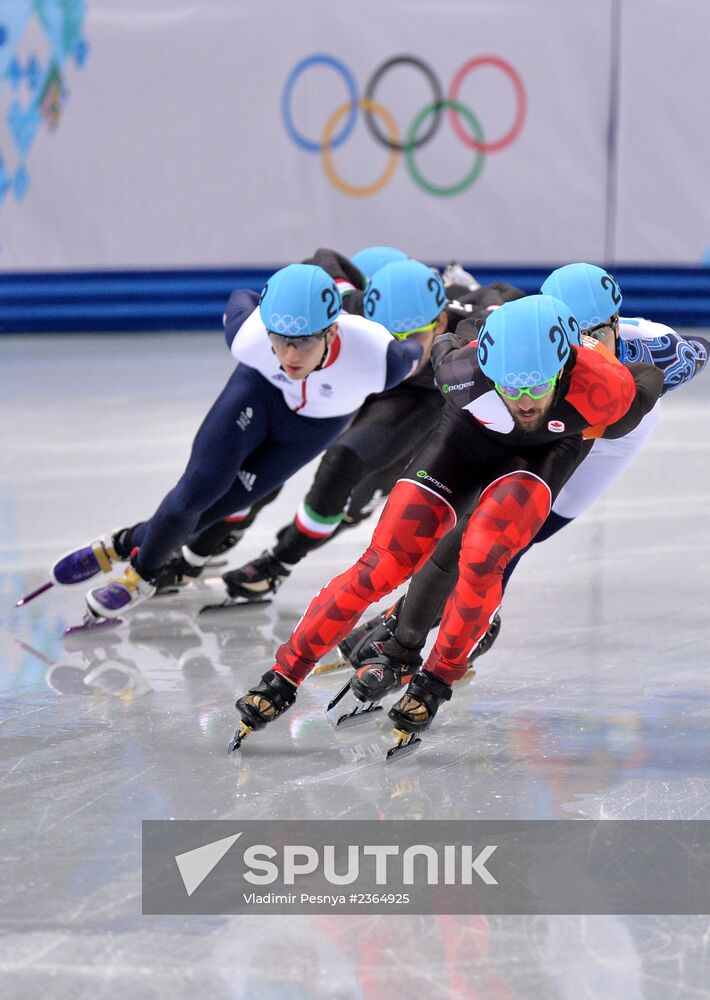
[(195, 299)]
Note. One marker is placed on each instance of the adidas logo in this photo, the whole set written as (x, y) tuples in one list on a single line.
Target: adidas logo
[(247, 479), (244, 418)]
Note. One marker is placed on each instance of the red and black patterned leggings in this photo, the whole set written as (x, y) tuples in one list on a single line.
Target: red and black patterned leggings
[(510, 512)]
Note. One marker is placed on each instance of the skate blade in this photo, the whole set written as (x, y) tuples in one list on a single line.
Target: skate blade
[(91, 624), (363, 713), (240, 735), (35, 593), (406, 744), (230, 603), (337, 698)]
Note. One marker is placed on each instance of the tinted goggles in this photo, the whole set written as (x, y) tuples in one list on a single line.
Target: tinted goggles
[(534, 391)]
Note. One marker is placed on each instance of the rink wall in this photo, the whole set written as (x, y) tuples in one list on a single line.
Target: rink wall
[(154, 154), (195, 300)]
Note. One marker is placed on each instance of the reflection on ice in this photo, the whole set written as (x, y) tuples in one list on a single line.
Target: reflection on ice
[(593, 704)]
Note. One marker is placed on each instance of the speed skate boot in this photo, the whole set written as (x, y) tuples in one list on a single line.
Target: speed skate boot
[(372, 681), (119, 594), (364, 642), (179, 571), (486, 641), (377, 677), (256, 579), (262, 704), (82, 564), (414, 711)]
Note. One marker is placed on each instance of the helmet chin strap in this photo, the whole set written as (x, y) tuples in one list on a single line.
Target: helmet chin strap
[(326, 352), (326, 349)]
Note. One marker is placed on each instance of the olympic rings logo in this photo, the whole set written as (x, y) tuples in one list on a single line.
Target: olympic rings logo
[(285, 323), (523, 380), (384, 130)]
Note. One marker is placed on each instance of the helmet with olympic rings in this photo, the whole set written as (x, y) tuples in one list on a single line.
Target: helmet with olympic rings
[(526, 342), (371, 259), (405, 297), (299, 300), (590, 292)]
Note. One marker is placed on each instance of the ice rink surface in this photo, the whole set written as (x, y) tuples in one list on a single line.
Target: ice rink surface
[(594, 703)]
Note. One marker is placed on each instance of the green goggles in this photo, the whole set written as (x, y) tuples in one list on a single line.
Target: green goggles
[(533, 391), (419, 329)]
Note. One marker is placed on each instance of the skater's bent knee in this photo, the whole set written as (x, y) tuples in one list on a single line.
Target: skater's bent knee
[(378, 572)]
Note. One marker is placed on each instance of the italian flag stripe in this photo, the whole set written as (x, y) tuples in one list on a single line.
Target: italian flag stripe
[(315, 525)]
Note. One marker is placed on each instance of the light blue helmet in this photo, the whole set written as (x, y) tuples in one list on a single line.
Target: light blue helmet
[(404, 297), (298, 300), (371, 259), (590, 292), (525, 342)]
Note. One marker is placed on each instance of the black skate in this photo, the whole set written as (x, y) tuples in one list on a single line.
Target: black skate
[(233, 536), (374, 680), (176, 574), (414, 711), (256, 579), (364, 642), (262, 704), (487, 641), (251, 584)]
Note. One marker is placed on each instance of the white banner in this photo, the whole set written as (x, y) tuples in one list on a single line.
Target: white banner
[(160, 133), (663, 198)]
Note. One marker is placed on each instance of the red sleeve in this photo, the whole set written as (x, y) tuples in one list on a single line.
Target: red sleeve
[(601, 389)]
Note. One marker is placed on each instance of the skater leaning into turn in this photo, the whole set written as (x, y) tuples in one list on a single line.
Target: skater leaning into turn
[(404, 298), (305, 368), (366, 460), (351, 276), (388, 649), (518, 401)]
